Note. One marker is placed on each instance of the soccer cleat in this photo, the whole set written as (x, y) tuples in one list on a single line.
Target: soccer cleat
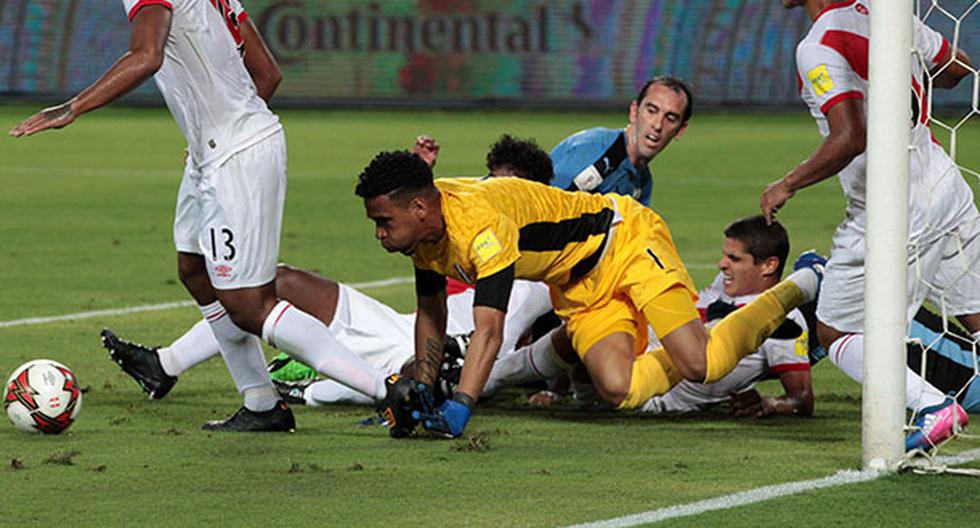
[(934, 425), (451, 367), (140, 362), (292, 392), (277, 419), (285, 368), (812, 260)]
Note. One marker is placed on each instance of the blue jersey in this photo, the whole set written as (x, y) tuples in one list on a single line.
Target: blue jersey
[(595, 160), (950, 360)]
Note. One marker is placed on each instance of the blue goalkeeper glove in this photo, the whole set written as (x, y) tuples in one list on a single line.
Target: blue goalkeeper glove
[(450, 418)]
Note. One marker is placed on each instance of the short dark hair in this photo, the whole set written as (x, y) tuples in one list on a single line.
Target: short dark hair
[(674, 84), (523, 156), (761, 240), (399, 171)]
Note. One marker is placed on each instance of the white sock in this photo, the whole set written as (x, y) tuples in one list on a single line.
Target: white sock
[(535, 362), (193, 348), (308, 340), (242, 353), (329, 391), (848, 354), (806, 280)]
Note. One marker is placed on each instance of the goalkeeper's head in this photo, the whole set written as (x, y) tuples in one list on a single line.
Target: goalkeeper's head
[(400, 197)]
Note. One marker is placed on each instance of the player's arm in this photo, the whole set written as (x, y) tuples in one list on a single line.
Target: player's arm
[(796, 401), (845, 142), (430, 324), (259, 62), (489, 313), (950, 75), (148, 35)]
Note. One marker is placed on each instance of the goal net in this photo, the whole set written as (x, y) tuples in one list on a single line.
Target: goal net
[(937, 347)]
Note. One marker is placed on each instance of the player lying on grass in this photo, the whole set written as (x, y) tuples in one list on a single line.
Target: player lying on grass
[(753, 257), (610, 263), (382, 346), (832, 64), (368, 328)]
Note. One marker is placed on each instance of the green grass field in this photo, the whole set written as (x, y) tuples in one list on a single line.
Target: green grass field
[(86, 225)]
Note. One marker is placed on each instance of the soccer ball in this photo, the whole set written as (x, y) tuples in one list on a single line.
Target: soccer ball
[(42, 396)]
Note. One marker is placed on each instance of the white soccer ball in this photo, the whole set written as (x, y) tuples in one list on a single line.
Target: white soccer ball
[(42, 396)]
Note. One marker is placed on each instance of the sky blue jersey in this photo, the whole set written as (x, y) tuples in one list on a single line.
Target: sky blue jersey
[(595, 160)]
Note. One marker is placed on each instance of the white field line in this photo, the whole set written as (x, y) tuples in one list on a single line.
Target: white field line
[(764, 493), (167, 306)]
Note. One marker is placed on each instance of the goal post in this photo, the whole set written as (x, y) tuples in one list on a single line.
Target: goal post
[(885, 318)]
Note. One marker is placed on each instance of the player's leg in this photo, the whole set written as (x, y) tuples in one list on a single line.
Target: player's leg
[(243, 205), (545, 358)]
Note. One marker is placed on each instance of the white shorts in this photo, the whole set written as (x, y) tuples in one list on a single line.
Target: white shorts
[(946, 271), (382, 337), (232, 214)]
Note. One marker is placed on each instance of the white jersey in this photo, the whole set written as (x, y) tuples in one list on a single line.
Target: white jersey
[(832, 66), (774, 357), (204, 81)]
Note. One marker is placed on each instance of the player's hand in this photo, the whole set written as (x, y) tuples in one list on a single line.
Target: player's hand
[(747, 404), (773, 198), (52, 117), (449, 419), (545, 398), (426, 148)]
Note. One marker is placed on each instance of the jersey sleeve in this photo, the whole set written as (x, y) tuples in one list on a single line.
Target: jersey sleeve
[(930, 43), (783, 355), (133, 6), (830, 77)]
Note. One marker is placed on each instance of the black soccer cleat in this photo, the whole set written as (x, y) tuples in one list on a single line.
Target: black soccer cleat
[(292, 392), (277, 419), (140, 362), (451, 366)]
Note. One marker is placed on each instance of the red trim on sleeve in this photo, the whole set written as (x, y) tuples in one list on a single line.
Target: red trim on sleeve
[(789, 367), (851, 46), (703, 312), (143, 3), (942, 51), (242, 17), (834, 6), (454, 286), (824, 108), (799, 83)]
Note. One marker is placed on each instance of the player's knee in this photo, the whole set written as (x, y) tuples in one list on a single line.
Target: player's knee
[(613, 387), (826, 335), (286, 280), (694, 369)]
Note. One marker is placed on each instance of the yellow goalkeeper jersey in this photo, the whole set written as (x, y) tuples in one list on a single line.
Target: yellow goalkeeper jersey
[(550, 235)]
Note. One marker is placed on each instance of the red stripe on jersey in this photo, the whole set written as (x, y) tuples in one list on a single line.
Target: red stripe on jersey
[(789, 367), (143, 3), (854, 94), (834, 6), (851, 46), (799, 83), (242, 17), (942, 52), (454, 286), (231, 20), (923, 103), (703, 312)]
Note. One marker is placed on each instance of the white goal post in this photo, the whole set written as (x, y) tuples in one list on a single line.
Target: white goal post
[(885, 319)]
